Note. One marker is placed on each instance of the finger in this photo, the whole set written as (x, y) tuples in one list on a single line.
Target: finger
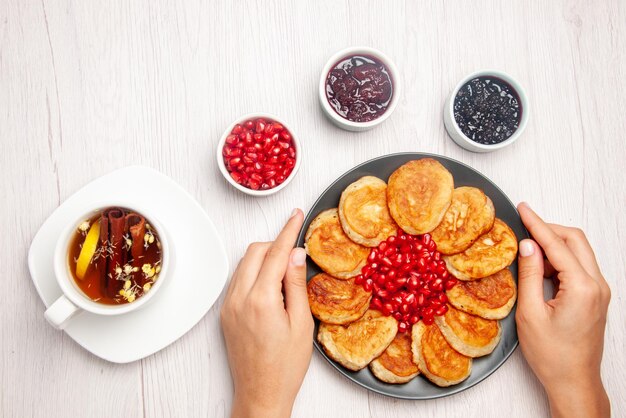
[(548, 270), (577, 242), (277, 257), (557, 252), (530, 278), (248, 269), (296, 298)]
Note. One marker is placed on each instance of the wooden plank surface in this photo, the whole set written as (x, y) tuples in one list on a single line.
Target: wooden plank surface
[(87, 87)]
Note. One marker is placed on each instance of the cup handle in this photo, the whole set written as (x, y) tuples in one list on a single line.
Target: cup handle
[(60, 312)]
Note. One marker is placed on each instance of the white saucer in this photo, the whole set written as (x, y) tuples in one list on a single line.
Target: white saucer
[(194, 283)]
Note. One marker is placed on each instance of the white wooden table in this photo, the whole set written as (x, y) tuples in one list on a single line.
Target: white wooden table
[(89, 86)]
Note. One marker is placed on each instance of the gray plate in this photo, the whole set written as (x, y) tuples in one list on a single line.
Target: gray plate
[(382, 167)]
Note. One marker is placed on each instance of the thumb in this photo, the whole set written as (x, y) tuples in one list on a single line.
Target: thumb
[(530, 278), (296, 299)]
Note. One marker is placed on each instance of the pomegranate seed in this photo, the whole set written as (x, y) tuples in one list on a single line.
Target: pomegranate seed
[(237, 129), (237, 177), (410, 298), (403, 326), (358, 279), (441, 310)]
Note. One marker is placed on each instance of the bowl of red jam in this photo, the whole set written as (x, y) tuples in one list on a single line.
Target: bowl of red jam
[(258, 154), (359, 88), (487, 110)]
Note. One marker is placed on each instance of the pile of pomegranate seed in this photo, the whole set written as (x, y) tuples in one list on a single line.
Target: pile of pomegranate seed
[(408, 279), (259, 154)]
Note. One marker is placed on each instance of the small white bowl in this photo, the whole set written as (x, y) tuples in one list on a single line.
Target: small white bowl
[(453, 128), (339, 120), (226, 174)]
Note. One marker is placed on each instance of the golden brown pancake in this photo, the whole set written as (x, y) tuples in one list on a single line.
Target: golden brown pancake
[(363, 212), (418, 195), (395, 364), (469, 334), (489, 254), (331, 249), (436, 359), (336, 301), (492, 297), (354, 346), (470, 215)]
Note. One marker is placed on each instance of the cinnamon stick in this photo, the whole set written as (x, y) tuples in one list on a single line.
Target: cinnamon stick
[(136, 225), (117, 229)]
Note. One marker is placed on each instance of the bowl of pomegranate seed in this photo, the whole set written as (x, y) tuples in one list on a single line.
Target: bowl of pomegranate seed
[(258, 154)]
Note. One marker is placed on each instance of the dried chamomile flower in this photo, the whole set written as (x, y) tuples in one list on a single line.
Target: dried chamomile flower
[(84, 227)]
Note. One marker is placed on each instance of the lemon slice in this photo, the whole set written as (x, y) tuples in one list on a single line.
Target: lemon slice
[(88, 250)]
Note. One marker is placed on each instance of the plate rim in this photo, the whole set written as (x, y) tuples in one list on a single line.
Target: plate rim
[(317, 345)]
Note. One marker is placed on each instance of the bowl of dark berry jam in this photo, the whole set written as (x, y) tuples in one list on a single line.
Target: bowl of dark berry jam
[(258, 154), (359, 88), (486, 111)]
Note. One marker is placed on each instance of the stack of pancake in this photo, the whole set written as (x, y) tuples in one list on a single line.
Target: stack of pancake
[(477, 248)]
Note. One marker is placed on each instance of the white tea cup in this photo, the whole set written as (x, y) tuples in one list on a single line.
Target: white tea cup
[(74, 300)]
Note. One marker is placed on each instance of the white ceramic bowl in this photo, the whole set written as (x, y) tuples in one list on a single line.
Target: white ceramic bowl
[(453, 128), (337, 119), (226, 174)]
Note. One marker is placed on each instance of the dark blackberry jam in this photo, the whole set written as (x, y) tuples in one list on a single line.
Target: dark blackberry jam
[(488, 110)]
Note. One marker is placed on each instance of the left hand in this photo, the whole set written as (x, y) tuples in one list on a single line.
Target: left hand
[(269, 338)]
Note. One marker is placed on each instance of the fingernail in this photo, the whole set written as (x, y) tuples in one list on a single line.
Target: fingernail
[(295, 212), (524, 204), (526, 248), (298, 257)]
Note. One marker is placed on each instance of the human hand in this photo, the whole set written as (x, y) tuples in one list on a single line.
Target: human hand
[(563, 338), (269, 338)]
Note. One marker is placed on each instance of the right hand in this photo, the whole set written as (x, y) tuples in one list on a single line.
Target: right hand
[(562, 339)]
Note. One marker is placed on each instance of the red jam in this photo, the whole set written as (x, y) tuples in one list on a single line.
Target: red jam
[(408, 279), (259, 154), (359, 88)]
